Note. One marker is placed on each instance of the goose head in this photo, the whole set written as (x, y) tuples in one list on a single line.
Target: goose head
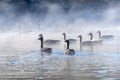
[(98, 31), (67, 41), (99, 34), (63, 33), (80, 36), (91, 36), (64, 36), (40, 35)]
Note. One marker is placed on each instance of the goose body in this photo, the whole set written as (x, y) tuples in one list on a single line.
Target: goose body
[(104, 36), (50, 41), (44, 49), (107, 37), (71, 40), (69, 51), (87, 43), (97, 41)]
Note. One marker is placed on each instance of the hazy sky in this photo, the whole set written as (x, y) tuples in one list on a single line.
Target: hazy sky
[(42, 14)]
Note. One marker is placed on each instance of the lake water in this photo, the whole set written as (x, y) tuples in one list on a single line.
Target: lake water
[(20, 58)]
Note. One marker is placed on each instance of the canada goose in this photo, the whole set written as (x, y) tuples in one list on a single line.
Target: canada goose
[(44, 49), (104, 36), (50, 41), (71, 40), (94, 41), (89, 42), (69, 51)]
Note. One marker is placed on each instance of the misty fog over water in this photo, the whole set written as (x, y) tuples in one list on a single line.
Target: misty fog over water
[(21, 21), (54, 15)]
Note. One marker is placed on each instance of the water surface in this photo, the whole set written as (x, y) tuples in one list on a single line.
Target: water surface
[(21, 59)]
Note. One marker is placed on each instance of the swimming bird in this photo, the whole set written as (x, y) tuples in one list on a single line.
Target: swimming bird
[(94, 41), (51, 41), (44, 49), (104, 36), (89, 42), (69, 51), (71, 40)]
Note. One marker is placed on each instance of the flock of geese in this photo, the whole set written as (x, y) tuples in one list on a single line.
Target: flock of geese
[(68, 41)]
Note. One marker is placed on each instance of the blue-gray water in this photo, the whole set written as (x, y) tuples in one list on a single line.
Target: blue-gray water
[(20, 58)]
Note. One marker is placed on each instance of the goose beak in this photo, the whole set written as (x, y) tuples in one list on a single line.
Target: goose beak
[(63, 33), (79, 36), (65, 41), (38, 39)]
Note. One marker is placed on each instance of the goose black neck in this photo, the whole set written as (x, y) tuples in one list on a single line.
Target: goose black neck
[(64, 36), (91, 36), (41, 42), (99, 34), (68, 43), (80, 39)]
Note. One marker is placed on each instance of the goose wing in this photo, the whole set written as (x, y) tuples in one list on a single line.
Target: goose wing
[(107, 37), (51, 41), (70, 52), (49, 50)]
